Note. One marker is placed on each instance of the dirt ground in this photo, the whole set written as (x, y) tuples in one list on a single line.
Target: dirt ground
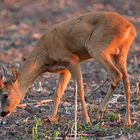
[(21, 25)]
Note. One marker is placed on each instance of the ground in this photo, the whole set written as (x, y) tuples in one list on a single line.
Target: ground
[(21, 25)]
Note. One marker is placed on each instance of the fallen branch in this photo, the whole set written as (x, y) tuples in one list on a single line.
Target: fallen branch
[(40, 103), (75, 132), (138, 93), (37, 104), (98, 87)]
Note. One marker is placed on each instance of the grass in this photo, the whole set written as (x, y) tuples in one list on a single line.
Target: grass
[(38, 133), (55, 134), (111, 117), (35, 132), (101, 131), (85, 131)]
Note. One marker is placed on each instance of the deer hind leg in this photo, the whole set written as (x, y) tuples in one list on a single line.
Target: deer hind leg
[(77, 75), (121, 64), (105, 59), (116, 77), (100, 50), (64, 79)]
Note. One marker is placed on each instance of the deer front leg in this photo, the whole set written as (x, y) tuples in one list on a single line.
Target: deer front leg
[(77, 75), (64, 78)]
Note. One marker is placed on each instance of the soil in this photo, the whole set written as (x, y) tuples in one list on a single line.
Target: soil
[(21, 25)]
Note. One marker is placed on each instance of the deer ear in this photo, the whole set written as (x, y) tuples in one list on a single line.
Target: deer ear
[(1, 85), (1, 82), (14, 73), (5, 72)]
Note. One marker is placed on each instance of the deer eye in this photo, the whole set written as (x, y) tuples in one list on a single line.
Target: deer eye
[(5, 96)]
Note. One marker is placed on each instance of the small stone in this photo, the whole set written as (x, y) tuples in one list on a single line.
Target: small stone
[(3, 122)]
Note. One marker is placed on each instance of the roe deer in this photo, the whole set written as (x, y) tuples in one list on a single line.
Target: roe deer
[(104, 36)]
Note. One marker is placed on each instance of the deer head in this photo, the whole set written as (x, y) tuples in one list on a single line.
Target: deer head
[(8, 92)]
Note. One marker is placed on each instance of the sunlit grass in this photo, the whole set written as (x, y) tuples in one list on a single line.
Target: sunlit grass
[(35, 132)]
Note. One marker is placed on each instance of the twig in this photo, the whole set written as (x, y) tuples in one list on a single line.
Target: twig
[(75, 132), (72, 128), (65, 133), (23, 106), (37, 104), (137, 93), (40, 103), (115, 99), (137, 88), (98, 87), (102, 84)]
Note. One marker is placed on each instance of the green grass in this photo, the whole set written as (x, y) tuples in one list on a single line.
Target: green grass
[(101, 131), (55, 134), (111, 117), (35, 132), (93, 130)]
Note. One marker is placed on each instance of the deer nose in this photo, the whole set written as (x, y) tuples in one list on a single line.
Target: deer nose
[(3, 113)]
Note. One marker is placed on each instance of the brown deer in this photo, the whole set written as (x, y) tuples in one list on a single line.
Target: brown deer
[(103, 36)]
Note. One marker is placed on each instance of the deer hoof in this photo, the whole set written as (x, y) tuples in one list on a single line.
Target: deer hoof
[(51, 119), (88, 120), (128, 124), (99, 115)]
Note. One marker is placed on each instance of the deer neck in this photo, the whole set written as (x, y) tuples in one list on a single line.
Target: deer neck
[(33, 67)]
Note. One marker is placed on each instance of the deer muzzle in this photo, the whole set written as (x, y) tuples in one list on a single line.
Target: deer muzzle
[(4, 114)]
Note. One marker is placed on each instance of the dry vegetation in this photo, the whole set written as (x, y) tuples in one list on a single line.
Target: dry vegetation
[(21, 25)]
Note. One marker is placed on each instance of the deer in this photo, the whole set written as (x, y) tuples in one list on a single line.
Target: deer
[(103, 36)]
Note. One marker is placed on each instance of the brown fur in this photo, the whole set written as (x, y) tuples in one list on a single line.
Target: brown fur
[(104, 36)]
